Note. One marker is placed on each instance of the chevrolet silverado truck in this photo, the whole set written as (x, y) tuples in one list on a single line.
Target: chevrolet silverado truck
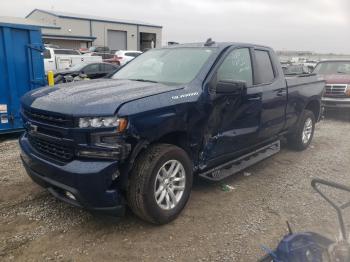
[(336, 73), (138, 138)]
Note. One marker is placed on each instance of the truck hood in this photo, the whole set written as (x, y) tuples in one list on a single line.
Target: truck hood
[(337, 79), (94, 97)]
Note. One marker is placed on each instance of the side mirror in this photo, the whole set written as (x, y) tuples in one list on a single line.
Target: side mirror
[(230, 87)]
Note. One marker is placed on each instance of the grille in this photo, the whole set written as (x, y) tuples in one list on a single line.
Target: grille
[(335, 90), (48, 118), (59, 152)]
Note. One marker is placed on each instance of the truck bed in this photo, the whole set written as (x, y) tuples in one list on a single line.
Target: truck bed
[(298, 80)]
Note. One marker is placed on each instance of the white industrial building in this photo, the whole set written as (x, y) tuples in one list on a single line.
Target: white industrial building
[(78, 31)]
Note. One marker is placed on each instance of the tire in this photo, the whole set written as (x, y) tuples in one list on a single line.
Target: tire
[(58, 79), (147, 183), (297, 140), (266, 258)]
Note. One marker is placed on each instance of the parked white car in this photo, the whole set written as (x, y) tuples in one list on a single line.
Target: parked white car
[(60, 59), (124, 56)]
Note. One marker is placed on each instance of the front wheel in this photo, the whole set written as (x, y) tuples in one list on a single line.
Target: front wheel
[(304, 132), (160, 183)]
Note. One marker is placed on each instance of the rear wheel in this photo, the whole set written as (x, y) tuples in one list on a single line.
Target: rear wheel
[(304, 132), (160, 183)]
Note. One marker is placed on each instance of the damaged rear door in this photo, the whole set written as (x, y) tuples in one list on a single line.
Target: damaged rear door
[(234, 118)]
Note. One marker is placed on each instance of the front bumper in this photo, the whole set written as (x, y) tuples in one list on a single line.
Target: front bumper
[(90, 182), (330, 102)]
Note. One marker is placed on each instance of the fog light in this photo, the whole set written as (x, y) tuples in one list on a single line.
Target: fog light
[(70, 195), (113, 139), (98, 154)]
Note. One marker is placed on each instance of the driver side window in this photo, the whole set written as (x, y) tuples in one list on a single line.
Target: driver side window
[(237, 66)]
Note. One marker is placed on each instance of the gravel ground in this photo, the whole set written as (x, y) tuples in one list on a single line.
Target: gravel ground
[(215, 226)]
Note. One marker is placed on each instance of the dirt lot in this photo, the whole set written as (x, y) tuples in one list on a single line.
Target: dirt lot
[(215, 226)]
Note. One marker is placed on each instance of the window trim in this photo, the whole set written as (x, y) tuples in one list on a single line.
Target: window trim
[(209, 77), (228, 52), (273, 66)]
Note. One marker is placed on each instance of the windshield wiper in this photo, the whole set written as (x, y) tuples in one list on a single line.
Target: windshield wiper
[(144, 80)]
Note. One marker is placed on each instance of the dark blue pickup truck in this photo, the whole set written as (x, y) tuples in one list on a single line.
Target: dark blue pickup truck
[(138, 137)]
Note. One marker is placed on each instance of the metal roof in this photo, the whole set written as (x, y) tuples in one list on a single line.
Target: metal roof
[(24, 21), (92, 18), (70, 37)]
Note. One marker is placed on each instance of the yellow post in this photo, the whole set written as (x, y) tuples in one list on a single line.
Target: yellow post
[(50, 78)]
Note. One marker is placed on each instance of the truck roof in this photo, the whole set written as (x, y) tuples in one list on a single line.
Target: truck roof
[(220, 45)]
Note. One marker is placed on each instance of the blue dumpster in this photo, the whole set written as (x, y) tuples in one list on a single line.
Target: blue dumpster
[(21, 70)]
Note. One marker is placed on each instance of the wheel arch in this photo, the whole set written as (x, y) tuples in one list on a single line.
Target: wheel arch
[(178, 138), (315, 107)]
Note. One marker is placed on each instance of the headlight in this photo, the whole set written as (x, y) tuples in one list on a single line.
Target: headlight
[(97, 122), (84, 122)]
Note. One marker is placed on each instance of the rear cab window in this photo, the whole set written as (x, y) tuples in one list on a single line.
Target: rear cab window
[(66, 52), (264, 66), (102, 49)]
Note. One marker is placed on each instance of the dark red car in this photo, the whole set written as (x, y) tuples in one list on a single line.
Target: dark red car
[(337, 76)]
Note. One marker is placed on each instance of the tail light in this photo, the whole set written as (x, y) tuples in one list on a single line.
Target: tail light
[(117, 59)]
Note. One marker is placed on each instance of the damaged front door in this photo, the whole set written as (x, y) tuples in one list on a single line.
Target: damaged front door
[(234, 116)]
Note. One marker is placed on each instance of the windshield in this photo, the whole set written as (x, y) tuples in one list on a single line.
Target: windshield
[(330, 68), (167, 66)]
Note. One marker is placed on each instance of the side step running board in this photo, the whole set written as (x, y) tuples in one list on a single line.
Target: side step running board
[(238, 164)]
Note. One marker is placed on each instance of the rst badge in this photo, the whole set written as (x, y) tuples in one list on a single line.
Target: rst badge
[(185, 95)]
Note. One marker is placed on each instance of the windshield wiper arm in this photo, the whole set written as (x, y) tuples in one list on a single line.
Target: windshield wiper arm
[(144, 80)]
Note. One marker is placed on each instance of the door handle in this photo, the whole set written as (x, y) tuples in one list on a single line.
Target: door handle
[(254, 98), (281, 91)]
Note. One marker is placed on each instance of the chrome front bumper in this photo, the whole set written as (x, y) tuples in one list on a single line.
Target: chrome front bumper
[(330, 102)]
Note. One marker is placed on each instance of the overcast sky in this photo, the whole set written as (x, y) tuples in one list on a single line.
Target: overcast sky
[(314, 25)]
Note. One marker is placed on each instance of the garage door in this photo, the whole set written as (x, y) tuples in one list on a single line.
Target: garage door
[(116, 40)]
